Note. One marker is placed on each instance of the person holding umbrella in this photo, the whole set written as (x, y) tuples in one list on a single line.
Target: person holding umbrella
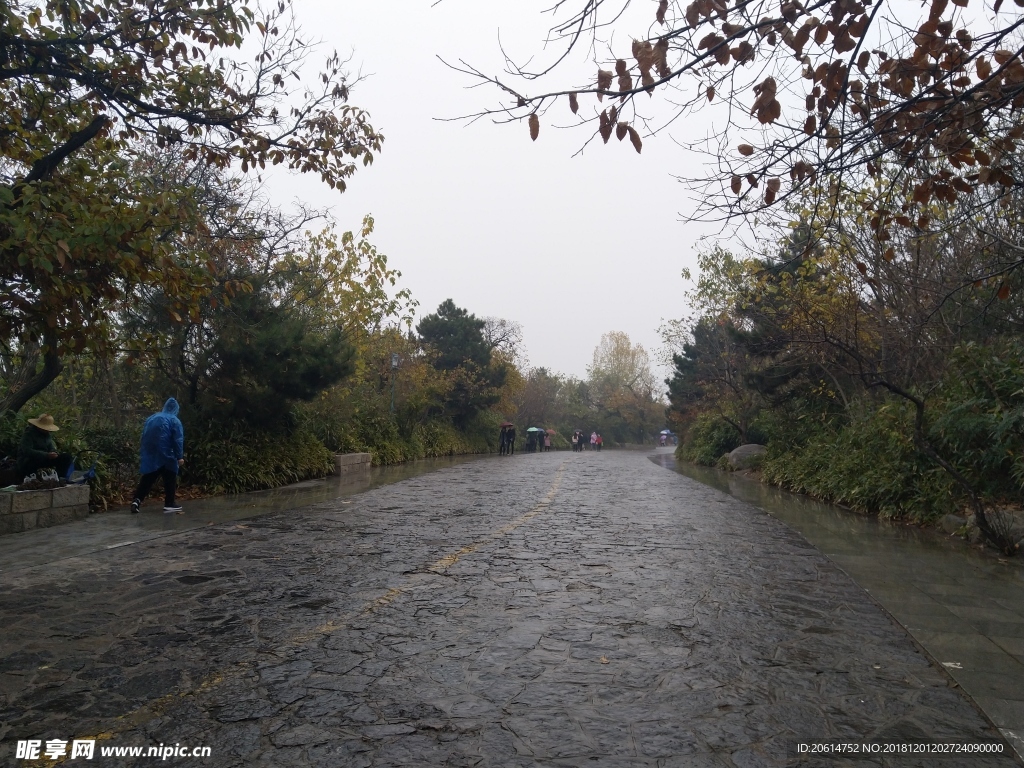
[(503, 438), (510, 440)]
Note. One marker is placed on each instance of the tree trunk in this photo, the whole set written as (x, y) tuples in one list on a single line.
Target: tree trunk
[(14, 401)]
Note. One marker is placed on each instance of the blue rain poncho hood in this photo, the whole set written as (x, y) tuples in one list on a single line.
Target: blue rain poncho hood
[(163, 440)]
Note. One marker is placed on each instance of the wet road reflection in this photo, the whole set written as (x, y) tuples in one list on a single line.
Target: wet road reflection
[(965, 607), (120, 528)]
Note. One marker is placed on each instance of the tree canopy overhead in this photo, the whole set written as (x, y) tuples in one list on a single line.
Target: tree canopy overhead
[(923, 98), (71, 70), (90, 92)]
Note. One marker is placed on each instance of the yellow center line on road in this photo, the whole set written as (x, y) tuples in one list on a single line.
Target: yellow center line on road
[(438, 566), (158, 706)]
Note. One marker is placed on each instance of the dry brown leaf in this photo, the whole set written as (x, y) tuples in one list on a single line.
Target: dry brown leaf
[(634, 139), (625, 84), (745, 149), (534, 126), (662, 9), (604, 82), (890, 253), (743, 52), (604, 660), (574, 103), (692, 14), (620, 131), (937, 9), (711, 92), (605, 128), (737, 185), (709, 41), (661, 57)]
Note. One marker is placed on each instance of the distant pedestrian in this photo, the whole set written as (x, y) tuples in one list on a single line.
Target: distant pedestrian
[(161, 456), (593, 441), (547, 442), (510, 441), (502, 440), (600, 442), (575, 441)]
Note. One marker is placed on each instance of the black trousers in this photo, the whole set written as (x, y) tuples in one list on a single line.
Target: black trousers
[(148, 480)]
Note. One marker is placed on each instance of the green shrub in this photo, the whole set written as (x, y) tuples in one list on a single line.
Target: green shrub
[(707, 439), (869, 463), (241, 460), (977, 418)]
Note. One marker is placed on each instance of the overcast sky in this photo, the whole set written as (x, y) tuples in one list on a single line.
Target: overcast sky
[(570, 247)]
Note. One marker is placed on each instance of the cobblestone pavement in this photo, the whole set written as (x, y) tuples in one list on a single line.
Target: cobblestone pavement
[(554, 609)]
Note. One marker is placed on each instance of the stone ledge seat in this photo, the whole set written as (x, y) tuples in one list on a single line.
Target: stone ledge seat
[(24, 510), (351, 462)]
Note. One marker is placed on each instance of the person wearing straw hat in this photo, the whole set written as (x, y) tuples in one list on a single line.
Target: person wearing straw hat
[(37, 449)]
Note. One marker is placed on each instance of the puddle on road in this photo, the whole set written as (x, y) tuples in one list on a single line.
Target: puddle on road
[(120, 528), (964, 606)]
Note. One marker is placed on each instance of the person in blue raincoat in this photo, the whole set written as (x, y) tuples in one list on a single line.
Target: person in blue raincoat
[(161, 455)]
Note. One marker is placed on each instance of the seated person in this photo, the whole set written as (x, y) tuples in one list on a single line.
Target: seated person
[(38, 451)]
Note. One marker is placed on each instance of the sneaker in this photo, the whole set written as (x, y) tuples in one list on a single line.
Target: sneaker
[(135, 506), (175, 510)]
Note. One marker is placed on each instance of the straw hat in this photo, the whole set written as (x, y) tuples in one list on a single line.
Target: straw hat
[(45, 422)]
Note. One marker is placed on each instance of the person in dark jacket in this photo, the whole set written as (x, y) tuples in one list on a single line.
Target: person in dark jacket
[(38, 451), (510, 441), (161, 455), (502, 441)]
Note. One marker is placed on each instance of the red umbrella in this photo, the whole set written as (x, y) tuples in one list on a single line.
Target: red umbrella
[(552, 432), (507, 424)]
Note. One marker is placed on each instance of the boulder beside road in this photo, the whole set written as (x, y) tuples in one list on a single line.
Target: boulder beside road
[(747, 456)]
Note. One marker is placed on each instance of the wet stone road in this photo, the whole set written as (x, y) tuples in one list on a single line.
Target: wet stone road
[(557, 609)]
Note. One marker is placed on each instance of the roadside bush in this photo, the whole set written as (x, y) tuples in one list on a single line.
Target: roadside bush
[(978, 420), (869, 463), (233, 461), (707, 439)]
